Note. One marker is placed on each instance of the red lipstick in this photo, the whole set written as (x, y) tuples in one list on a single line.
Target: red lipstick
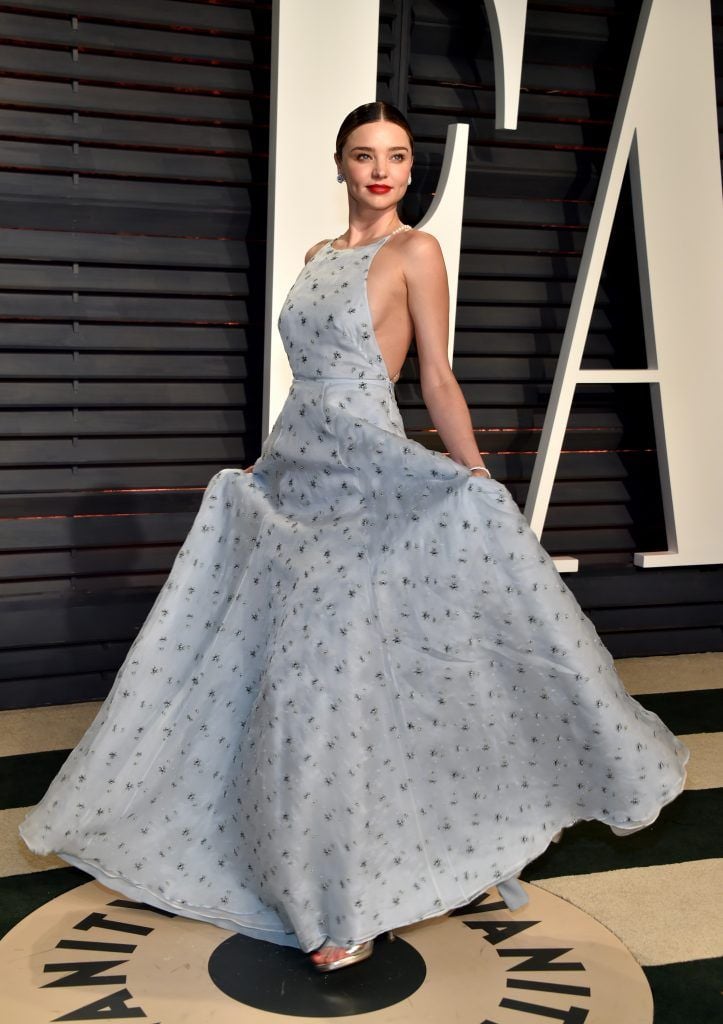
[(380, 189)]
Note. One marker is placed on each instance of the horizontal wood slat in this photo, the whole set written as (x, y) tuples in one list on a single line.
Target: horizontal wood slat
[(201, 16), (58, 660), (74, 211), (121, 422), (53, 689), (435, 65), (40, 565), (543, 106), (183, 473), (87, 451), (86, 530), (136, 195), (38, 277), (113, 161), (90, 67), (134, 308), (150, 107), (147, 252), (43, 394), (104, 504), (92, 35)]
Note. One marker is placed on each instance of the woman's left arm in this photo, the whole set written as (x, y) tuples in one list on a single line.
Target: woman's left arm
[(428, 299)]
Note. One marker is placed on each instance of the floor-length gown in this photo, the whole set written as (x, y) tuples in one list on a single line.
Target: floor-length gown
[(364, 694)]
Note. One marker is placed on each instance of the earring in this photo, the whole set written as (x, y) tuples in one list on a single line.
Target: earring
[(340, 178), (409, 180)]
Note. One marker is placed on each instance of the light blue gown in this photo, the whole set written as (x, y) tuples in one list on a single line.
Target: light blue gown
[(364, 694)]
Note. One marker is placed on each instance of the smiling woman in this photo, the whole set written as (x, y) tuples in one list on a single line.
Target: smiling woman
[(374, 158), (364, 684), (407, 285)]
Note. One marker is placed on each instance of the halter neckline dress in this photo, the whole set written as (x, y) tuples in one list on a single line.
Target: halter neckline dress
[(364, 694)]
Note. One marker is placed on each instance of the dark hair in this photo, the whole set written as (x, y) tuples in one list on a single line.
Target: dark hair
[(366, 114)]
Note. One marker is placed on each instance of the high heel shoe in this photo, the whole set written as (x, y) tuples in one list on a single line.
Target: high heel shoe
[(352, 955)]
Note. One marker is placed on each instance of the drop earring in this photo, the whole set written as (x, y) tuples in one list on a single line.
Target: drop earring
[(409, 180), (340, 178)]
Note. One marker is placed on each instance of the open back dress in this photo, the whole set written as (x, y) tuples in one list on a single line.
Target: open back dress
[(364, 694)]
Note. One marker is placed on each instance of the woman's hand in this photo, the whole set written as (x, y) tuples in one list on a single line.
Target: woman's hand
[(480, 472), (249, 469)]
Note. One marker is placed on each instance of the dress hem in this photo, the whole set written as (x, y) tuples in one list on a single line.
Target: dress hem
[(122, 885)]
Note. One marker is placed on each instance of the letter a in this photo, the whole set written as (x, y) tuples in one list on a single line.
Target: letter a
[(666, 124)]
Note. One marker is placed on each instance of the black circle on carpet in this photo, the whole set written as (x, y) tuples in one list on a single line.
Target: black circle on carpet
[(279, 979)]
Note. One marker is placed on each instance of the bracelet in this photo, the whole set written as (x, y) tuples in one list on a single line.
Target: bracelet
[(483, 468)]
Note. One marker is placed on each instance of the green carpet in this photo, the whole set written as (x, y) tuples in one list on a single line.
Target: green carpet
[(688, 993)]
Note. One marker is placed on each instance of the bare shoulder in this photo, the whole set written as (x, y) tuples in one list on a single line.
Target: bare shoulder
[(314, 249), (419, 241), (419, 247), (421, 253)]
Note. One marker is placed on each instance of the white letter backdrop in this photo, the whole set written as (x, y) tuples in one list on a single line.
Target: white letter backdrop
[(324, 64)]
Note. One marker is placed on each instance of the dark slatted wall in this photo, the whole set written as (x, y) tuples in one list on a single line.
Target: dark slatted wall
[(133, 190), (529, 199)]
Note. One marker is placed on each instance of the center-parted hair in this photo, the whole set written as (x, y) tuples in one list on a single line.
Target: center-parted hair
[(368, 113)]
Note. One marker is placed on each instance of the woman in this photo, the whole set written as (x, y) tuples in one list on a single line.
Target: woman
[(364, 694)]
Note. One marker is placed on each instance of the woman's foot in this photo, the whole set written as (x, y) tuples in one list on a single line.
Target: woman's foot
[(331, 958)]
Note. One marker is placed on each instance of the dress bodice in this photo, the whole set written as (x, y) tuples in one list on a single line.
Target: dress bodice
[(325, 322)]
